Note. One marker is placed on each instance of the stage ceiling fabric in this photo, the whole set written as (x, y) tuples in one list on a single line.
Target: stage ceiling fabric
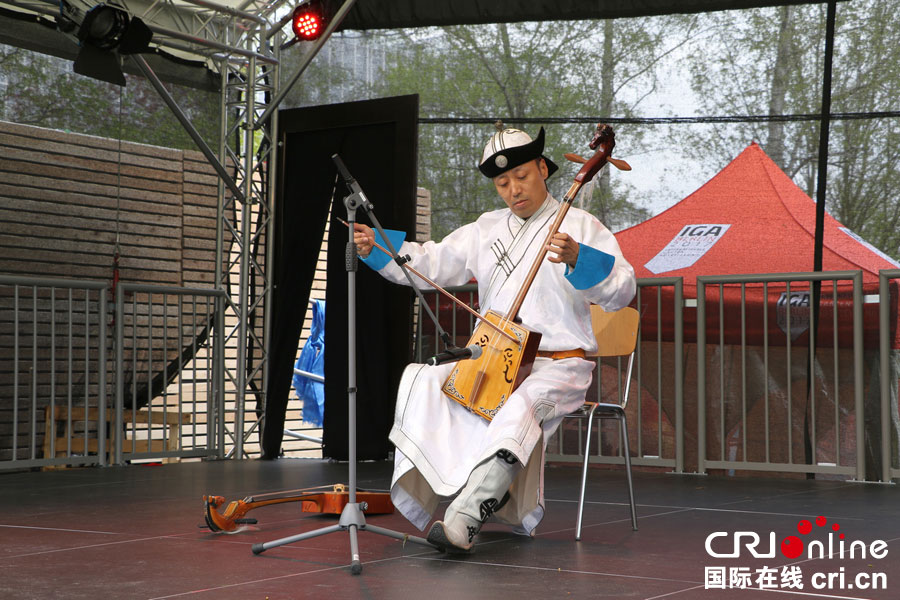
[(30, 23), (378, 14)]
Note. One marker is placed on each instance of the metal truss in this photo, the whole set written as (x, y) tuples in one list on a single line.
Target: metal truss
[(247, 88), (241, 43)]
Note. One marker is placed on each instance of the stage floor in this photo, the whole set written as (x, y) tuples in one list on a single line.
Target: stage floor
[(132, 533)]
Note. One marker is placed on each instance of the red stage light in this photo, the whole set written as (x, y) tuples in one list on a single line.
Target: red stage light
[(308, 21)]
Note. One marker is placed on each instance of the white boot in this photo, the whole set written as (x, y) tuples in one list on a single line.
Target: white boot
[(484, 493)]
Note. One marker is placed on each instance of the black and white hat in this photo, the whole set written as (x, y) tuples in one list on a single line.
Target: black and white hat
[(509, 148)]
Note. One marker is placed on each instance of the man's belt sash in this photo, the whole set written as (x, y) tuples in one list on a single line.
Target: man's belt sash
[(559, 354)]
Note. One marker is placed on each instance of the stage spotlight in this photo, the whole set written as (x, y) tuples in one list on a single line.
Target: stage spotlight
[(308, 21), (103, 33)]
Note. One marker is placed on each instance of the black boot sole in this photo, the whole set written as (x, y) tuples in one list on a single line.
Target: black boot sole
[(438, 537)]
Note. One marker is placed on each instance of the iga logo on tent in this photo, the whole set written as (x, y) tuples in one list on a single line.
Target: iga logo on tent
[(796, 311), (686, 248)]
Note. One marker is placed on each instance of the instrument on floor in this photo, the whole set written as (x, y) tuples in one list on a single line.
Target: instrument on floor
[(328, 502), (485, 384)]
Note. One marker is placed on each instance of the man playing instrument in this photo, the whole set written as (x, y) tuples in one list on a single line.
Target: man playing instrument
[(496, 467)]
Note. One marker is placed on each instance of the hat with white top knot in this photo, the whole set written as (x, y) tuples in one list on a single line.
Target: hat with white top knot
[(509, 148)]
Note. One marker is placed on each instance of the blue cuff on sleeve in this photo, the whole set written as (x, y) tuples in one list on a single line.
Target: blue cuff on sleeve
[(592, 267), (378, 259)]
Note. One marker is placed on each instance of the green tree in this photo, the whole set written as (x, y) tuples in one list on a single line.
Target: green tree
[(770, 60), (524, 70), (43, 90)]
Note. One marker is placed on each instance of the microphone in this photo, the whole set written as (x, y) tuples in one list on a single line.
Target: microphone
[(350, 180), (455, 354)]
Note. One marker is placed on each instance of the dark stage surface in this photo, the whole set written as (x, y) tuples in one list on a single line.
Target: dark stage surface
[(131, 533)]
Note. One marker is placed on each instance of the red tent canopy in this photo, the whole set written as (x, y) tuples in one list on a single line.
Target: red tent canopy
[(752, 218)]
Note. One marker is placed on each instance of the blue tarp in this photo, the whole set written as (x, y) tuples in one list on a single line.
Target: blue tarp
[(312, 360)]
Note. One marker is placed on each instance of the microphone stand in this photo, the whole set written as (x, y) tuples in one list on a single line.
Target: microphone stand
[(400, 260), (351, 519)]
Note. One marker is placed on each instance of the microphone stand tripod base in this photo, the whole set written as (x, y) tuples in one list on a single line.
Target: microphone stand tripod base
[(352, 520)]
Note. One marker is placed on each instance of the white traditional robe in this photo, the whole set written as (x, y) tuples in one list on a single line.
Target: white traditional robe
[(438, 441)]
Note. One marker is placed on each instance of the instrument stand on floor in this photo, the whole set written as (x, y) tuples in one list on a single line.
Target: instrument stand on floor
[(352, 519)]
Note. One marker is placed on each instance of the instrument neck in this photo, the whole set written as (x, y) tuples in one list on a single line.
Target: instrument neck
[(542, 252)]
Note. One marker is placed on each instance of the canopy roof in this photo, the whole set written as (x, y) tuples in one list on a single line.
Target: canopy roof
[(187, 31), (749, 218), (387, 14)]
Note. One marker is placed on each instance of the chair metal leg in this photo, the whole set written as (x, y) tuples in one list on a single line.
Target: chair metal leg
[(584, 470), (627, 454)]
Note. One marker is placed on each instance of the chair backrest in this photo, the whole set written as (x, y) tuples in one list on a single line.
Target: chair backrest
[(616, 332)]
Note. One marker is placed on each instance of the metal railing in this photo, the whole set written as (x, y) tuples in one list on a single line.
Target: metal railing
[(755, 348), (169, 385), (755, 422), (169, 390), (888, 373), (56, 382), (656, 390), (53, 342)]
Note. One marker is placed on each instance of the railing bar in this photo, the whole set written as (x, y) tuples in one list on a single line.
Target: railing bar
[(87, 355), (52, 415), (885, 361), (452, 320), (722, 432), (437, 316), (202, 352), (134, 371), (679, 374), (659, 370), (701, 375), (811, 365), (418, 341), (580, 438), (165, 372), (22, 280), (744, 369), (70, 383), (790, 397), (559, 438), (835, 395), (34, 370), (102, 402), (172, 290), (621, 392), (765, 311), (620, 395), (215, 394), (858, 384), (195, 348), (598, 432), (15, 423), (149, 369), (180, 314)]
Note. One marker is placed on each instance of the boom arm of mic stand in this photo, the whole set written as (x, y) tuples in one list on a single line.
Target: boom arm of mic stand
[(445, 337), (363, 202)]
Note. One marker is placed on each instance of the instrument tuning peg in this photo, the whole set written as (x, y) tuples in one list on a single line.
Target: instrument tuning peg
[(575, 158), (617, 163)]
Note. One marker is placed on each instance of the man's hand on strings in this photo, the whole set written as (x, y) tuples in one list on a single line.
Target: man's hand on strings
[(565, 247), (364, 238)]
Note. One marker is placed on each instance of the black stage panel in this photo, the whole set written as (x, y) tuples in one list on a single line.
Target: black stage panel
[(128, 533), (377, 141)]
